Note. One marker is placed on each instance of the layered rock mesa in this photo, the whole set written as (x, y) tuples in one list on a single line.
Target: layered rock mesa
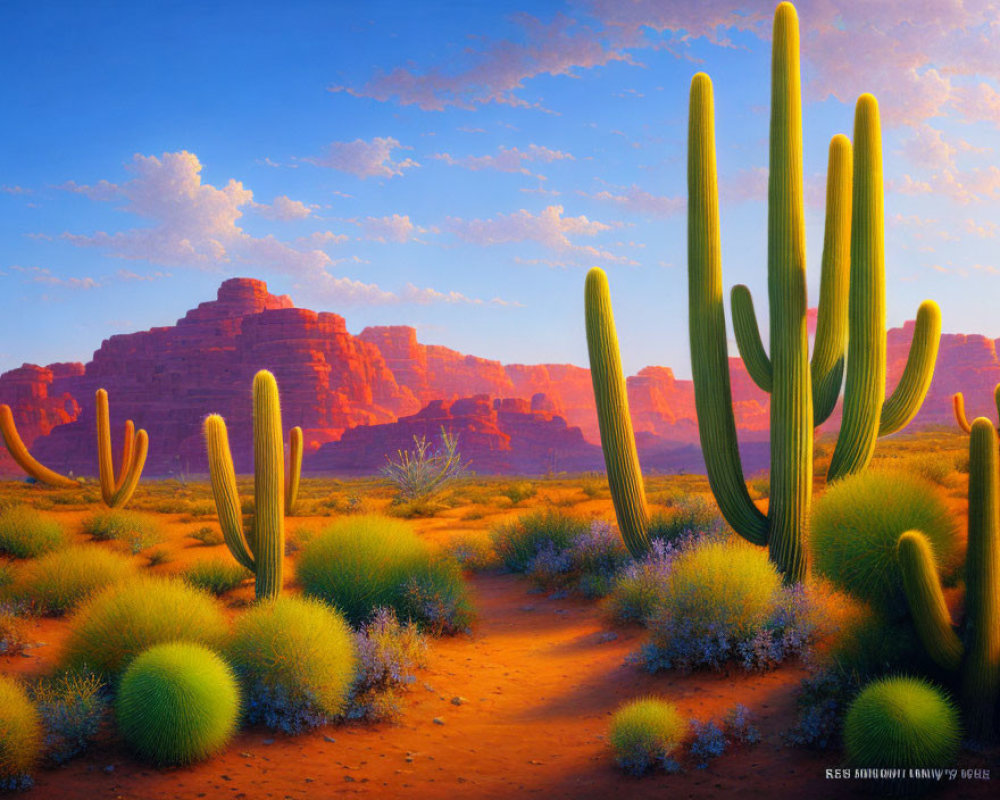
[(167, 379)]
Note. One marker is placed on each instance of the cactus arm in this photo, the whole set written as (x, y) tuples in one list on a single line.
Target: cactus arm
[(827, 363), (227, 497), (269, 486), (927, 607), (130, 476), (707, 321), (294, 469), (865, 383), (958, 406), (791, 395), (617, 438), (128, 448), (19, 452), (980, 683), (904, 403), (105, 462), (996, 397), (748, 337)]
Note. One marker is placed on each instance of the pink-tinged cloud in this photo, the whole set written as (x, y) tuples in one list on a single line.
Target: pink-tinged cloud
[(495, 73), (283, 209), (44, 276), (983, 230), (507, 159), (640, 201), (978, 185), (548, 228), (363, 159), (194, 224), (396, 228)]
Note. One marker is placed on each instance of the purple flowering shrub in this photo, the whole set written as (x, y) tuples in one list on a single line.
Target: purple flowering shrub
[(388, 652)]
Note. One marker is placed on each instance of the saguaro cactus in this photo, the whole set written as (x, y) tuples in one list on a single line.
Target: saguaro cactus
[(135, 446), (974, 656), (958, 405), (263, 550), (803, 392), (19, 452), (294, 470)]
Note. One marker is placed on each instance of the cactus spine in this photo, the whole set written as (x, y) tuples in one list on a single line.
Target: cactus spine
[(975, 656), (263, 551), (851, 314), (294, 470), (19, 452), (118, 491)]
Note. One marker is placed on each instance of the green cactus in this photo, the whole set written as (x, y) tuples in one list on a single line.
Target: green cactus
[(117, 491), (975, 656), (958, 405), (294, 470), (803, 391), (263, 550)]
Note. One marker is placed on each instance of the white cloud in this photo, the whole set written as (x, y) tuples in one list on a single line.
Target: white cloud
[(395, 228), (507, 159), (365, 159), (283, 208), (642, 202)]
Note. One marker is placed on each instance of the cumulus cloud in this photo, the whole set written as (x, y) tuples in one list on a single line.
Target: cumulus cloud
[(195, 224), (363, 159), (978, 185), (640, 201), (395, 228), (507, 159), (548, 228), (283, 208)]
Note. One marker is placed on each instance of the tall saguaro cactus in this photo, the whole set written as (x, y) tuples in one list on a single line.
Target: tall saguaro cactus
[(974, 657), (117, 491), (19, 452), (803, 390), (261, 550)]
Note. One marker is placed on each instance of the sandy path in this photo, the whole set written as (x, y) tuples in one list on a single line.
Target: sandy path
[(539, 678)]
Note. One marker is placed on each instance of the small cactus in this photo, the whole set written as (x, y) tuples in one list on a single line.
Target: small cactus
[(294, 470), (958, 405), (19, 452), (117, 491), (262, 552), (974, 657)]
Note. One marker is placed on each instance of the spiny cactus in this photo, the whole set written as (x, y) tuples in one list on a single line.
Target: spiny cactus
[(294, 470), (803, 392), (19, 452), (263, 550), (975, 656), (958, 405), (118, 491)]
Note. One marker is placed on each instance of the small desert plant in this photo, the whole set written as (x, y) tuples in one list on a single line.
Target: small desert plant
[(690, 515), (114, 626), (932, 467), (216, 576), (359, 564), (473, 552), (388, 652), (708, 741), (857, 523), (644, 733), (902, 723), (419, 474), (207, 535), (436, 598), (24, 533), (178, 703), (56, 582), (72, 706), (158, 556), (761, 484), (136, 531), (638, 590), (20, 735), (589, 562), (519, 541), (295, 659), (518, 492)]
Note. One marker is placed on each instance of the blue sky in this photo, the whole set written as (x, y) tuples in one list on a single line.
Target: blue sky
[(458, 166)]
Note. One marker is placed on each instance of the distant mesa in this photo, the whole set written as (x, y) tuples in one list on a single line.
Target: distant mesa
[(360, 397)]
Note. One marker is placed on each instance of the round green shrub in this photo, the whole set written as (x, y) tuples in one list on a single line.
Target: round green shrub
[(645, 732), (20, 735), (362, 563), (59, 580), (133, 529), (725, 585), (856, 525), (24, 533), (518, 541), (296, 660), (114, 626), (903, 723), (177, 703)]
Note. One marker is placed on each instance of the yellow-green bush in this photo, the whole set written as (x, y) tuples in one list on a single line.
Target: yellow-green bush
[(20, 735), (56, 582), (644, 733), (114, 626), (24, 533)]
